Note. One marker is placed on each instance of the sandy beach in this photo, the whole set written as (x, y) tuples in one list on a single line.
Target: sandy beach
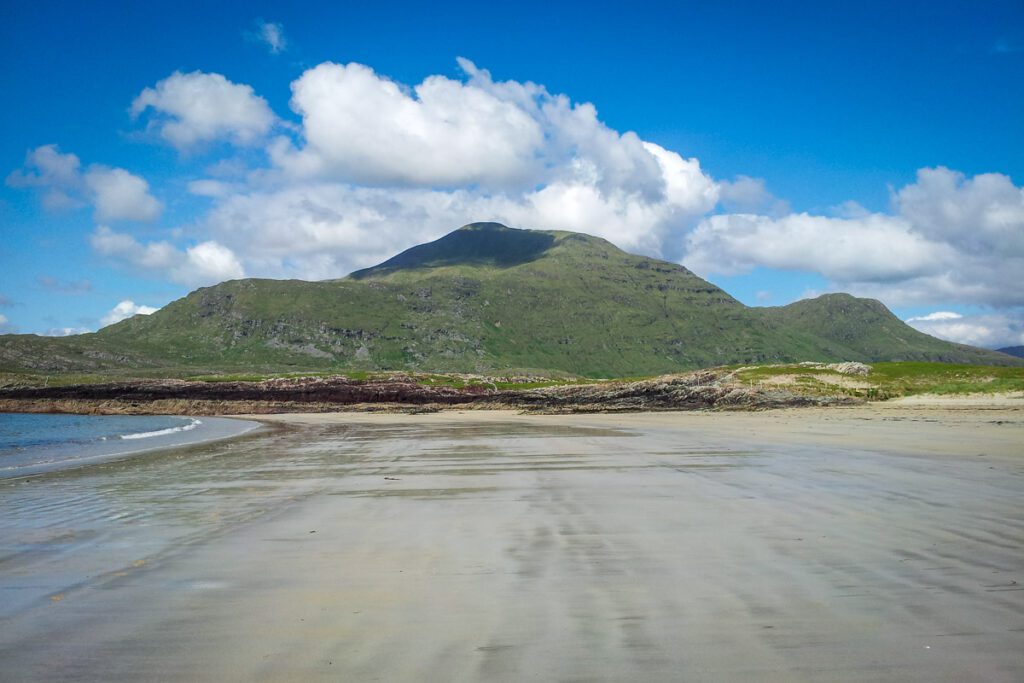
[(875, 543)]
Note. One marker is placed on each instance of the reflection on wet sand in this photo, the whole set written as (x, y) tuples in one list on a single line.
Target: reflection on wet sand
[(574, 548)]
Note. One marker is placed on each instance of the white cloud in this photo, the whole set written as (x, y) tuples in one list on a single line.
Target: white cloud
[(270, 34), (115, 193), (124, 310), (992, 330), (203, 264), (382, 166), (6, 327), (949, 238), (875, 248), (194, 108), (55, 174), (983, 215), (934, 317), (120, 195), (208, 187), (364, 128), (208, 262), (750, 195), (125, 248), (65, 331), (47, 165)]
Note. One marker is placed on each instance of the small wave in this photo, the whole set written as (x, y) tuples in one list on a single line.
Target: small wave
[(163, 432)]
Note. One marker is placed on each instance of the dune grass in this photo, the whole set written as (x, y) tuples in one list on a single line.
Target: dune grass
[(891, 380)]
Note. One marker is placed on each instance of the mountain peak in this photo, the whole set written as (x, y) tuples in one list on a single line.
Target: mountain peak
[(476, 244), (484, 226)]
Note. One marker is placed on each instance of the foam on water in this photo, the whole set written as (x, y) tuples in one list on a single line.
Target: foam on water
[(163, 432)]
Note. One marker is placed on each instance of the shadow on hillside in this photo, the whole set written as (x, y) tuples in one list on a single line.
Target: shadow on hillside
[(481, 244)]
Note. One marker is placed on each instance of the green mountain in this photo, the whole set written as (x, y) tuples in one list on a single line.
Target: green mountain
[(487, 298)]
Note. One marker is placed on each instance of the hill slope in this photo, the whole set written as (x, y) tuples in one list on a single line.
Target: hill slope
[(1015, 351), (488, 298)]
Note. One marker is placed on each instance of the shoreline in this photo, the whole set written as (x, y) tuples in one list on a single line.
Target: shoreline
[(209, 430)]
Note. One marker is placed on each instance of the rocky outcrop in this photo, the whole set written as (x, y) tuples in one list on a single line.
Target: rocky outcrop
[(846, 368), (332, 390), (694, 391)]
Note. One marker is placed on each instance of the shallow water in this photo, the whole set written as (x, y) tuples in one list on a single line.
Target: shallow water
[(511, 551), (34, 443)]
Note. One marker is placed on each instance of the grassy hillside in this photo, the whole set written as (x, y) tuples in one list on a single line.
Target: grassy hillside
[(865, 330), (487, 299)]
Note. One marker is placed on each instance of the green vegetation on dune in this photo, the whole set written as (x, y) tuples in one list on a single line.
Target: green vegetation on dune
[(490, 300), (889, 379), (945, 378)]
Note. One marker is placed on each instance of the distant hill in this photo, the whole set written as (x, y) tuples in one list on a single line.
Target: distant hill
[(487, 298), (1016, 351)]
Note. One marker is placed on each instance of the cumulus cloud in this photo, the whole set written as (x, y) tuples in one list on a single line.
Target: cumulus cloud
[(124, 310), (875, 248), (992, 330), (120, 195), (120, 246), (202, 264), (983, 215), (379, 166), (361, 127), (115, 193), (948, 238), (197, 107), (55, 174), (208, 262), (270, 34)]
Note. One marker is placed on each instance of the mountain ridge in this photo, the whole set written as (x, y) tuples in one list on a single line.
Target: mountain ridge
[(1015, 351), (487, 298)]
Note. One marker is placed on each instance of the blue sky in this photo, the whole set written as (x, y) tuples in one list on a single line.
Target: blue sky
[(779, 151)]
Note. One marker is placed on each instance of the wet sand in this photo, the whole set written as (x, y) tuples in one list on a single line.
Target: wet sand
[(875, 543)]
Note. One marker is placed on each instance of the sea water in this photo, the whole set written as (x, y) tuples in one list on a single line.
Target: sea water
[(32, 443)]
